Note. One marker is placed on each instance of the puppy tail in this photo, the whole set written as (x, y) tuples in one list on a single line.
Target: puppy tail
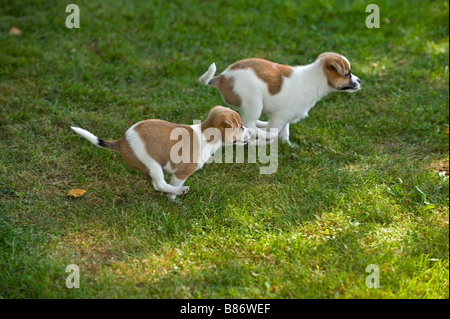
[(114, 145), (206, 78)]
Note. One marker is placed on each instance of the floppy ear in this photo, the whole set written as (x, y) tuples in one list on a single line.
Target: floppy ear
[(226, 123), (336, 64)]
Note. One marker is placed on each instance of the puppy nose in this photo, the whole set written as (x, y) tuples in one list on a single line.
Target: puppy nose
[(359, 81)]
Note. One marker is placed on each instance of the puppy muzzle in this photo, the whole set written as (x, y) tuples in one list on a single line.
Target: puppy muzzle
[(355, 85), (245, 137)]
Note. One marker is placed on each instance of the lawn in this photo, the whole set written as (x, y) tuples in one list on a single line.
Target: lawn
[(367, 185)]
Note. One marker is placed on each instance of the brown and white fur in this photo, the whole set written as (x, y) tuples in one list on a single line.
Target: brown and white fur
[(285, 93), (147, 146)]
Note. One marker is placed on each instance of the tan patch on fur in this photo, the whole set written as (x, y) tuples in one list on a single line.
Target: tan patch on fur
[(121, 145), (271, 73), (225, 86), (129, 158), (222, 118), (335, 67), (156, 137)]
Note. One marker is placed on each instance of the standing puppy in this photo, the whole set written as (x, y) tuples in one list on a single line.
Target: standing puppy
[(154, 146), (284, 93)]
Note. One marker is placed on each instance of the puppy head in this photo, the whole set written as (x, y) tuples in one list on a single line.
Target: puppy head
[(337, 70), (229, 124)]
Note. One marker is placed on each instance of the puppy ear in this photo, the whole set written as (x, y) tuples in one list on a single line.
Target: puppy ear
[(226, 123), (336, 64)]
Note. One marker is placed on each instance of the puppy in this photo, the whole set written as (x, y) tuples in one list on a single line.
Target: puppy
[(285, 93), (154, 146)]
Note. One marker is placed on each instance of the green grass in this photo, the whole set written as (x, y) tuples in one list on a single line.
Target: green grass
[(362, 187)]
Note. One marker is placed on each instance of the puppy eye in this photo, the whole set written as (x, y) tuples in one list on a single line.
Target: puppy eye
[(348, 74)]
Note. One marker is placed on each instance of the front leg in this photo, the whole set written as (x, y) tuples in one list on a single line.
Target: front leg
[(174, 181), (251, 109), (157, 175)]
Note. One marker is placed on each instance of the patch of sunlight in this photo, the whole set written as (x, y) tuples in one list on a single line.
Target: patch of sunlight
[(154, 267), (434, 48), (355, 168), (387, 238)]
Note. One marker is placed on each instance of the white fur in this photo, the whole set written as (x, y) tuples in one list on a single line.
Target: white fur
[(205, 78), (155, 170), (299, 93), (87, 135), (206, 149)]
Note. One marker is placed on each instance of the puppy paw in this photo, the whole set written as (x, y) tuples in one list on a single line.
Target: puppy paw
[(289, 144), (183, 190)]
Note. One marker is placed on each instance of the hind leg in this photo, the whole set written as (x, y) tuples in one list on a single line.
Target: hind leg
[(280, 129), (284, 134), (251, 111), (149, 166), (262, 124)]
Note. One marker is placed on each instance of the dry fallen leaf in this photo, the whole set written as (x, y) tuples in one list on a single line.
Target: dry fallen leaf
[(273, 289), (446, 131), (76, 192), (14, 31)]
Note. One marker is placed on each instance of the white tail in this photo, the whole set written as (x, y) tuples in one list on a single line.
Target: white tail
[(89, 136), (205, 78)]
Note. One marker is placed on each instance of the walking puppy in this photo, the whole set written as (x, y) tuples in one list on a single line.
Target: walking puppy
[(285, 93), (154, 146)]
